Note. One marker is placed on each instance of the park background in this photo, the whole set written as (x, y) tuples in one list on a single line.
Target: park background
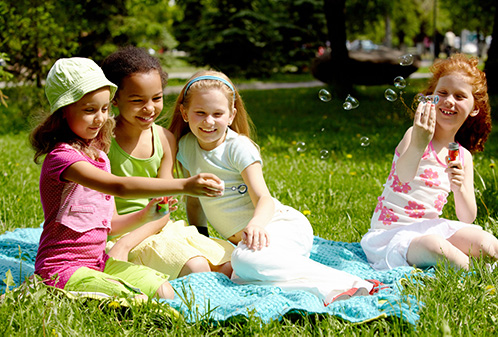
[(334, 179)]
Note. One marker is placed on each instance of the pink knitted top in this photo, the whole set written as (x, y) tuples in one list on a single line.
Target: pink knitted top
[(77, 219)]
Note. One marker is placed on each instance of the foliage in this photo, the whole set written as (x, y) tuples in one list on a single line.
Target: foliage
[(474, 15), (250, 38), (36, 33)]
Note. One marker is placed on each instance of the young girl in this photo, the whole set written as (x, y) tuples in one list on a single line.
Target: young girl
[(273, 241), (142, 148), (76, 189), (406, 228)]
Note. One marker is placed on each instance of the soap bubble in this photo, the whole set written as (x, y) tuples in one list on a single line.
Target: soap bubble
[(390, 95), (347, 106), (301, 147), (364, 141), (324, 154), (399, 82), (435, 99), (405, 60), (353, 101), (324, 95), (419, 97)]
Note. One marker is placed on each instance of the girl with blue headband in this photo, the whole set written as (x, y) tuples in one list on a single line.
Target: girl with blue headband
[(273, 241)]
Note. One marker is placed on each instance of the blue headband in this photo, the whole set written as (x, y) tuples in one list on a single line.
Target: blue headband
[(209, 77)]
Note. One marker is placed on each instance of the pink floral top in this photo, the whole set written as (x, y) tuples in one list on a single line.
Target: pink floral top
[(422, 198), (77, 219)]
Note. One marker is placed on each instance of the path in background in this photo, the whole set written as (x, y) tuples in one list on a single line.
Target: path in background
[(176, 89)]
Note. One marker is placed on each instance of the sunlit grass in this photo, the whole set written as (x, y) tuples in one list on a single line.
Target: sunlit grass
[(337, 194)]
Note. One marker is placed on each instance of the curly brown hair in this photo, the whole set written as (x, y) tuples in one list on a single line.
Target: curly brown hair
[(475, 130)]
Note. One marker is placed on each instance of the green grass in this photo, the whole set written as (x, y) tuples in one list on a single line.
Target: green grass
[(339, 192)]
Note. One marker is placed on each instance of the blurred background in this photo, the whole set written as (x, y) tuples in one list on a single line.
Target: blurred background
[(248, 38)]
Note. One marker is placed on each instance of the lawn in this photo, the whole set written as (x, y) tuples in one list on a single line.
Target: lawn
[(335, 181)]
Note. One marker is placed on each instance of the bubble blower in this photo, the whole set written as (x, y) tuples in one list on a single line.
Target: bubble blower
[(242, 188), (452, 152), (163, 206)]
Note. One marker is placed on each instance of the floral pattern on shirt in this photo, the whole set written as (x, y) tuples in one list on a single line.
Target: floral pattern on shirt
[(440, 202), (398, 186), (415, 210), (386, 215), (430, 177)]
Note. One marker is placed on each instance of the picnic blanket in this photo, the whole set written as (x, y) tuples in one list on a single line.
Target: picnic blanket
[(214, 297)]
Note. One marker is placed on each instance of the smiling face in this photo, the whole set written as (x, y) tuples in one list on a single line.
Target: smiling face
[(87, 116), (140, 99), (456, 101), (209, 116)]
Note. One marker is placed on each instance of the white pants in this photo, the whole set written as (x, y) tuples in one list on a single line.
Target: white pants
[(285, 262)]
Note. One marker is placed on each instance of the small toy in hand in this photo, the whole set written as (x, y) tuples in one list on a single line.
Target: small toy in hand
[(242, 188), (452, 152), (163, 206)]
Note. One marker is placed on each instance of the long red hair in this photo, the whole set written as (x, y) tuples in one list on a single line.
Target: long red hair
[(475, 130)]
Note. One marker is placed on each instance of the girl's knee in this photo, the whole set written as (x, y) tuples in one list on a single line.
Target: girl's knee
[(165, 291), (197, 264)]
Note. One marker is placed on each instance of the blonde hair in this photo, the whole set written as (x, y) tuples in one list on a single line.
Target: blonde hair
[(241, 124)]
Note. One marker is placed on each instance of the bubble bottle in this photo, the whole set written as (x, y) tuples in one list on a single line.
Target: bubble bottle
[(163, 206), (452, 151)]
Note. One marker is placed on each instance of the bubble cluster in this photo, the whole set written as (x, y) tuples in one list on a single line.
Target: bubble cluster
[(324, 95), (364, 141), (406, 60), (301, 147), (390, 95), (429, 98), (399, 82), (350, 103)]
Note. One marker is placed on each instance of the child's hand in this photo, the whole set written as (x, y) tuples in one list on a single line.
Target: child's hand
[(424, 124), (456, 175), (150, 212), (172, 204), (204, 184), (255, 237)]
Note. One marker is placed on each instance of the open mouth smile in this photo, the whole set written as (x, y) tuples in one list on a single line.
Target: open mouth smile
[(447, 112), (207, 130), (146, 119)]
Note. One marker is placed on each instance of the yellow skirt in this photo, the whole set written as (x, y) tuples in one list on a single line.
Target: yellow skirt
[(169, 250)]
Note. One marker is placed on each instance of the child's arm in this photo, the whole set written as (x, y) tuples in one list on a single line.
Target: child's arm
[(87, 175), (414, 143), (195, 213), (255, 235), (462, 185)]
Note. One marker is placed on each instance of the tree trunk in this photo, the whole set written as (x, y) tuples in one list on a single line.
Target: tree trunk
[(388, 41), (336, 26), (491, 66)]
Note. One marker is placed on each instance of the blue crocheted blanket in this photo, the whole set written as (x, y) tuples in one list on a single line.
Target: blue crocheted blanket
[(212, 296)]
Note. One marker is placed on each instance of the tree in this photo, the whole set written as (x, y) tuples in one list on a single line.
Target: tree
[(34, 33), (491, 67), (32, 36), (250, 37)]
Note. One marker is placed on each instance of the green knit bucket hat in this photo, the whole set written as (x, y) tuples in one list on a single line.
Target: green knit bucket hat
[(70, 79)]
